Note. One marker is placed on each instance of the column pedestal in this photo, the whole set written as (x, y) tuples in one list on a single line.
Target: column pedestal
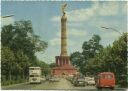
[(62, 60)]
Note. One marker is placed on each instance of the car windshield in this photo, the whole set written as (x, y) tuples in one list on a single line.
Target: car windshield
[(91, 79), (109, 76), (80, 79)]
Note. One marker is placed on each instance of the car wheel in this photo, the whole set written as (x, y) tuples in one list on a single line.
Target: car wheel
[(99, 88), (112, 88), (75, 85)]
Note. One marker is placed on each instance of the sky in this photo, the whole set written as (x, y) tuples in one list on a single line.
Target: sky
[(84, 18)]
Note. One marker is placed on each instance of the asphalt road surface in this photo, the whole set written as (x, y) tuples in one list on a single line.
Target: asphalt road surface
[(63, 84)]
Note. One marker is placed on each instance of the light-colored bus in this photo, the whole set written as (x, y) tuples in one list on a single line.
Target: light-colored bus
[(34, 74)]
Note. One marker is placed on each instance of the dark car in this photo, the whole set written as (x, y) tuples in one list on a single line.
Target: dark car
[(47, 77), (73, 79), (54, 79), (79, 81)]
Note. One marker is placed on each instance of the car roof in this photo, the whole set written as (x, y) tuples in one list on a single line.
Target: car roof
[(34, 67), (106, 73)]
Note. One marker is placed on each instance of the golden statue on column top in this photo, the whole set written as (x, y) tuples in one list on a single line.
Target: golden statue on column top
[(63, 7)]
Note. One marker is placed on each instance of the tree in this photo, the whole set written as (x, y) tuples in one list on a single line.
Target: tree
[(7, 62), (23, 64), (113, 59), (52, 65), (78, 61), (119, 54), (90, 49), (19, 45), (46, 70), (22, 32)]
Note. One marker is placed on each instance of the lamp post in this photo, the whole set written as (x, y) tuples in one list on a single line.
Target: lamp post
[(10, 76), (111, 29), (7, 16)]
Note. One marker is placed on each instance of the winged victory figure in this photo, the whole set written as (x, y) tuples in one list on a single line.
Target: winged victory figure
[(63, 8)]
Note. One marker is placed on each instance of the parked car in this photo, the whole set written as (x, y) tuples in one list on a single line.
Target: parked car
[(57, 79), (69, 78), (43, 78), (73, 79), (54, 79), (105, 80), (79, 81), (47, 77), (89, 80)]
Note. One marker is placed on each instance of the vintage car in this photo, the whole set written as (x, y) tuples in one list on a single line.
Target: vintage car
[(79, 81), (89, 80), (54, 79), (105, 80)]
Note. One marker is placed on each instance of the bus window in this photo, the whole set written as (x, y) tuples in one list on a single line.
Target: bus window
[(102, 76), (36, 76), (31, 68), (31, 75), (109, 76)]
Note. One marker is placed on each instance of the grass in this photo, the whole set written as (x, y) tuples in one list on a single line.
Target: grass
[(10, 82)]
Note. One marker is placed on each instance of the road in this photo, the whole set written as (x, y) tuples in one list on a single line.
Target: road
[(62, 84)]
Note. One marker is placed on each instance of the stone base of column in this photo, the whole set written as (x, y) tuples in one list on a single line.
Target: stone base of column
[(62, 60), (63, 67)]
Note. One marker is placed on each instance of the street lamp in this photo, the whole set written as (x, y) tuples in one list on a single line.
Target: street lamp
[(7, 16), (111, 29), (10, 77)]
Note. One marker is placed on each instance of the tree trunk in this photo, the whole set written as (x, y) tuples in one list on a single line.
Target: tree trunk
[(10, 75)]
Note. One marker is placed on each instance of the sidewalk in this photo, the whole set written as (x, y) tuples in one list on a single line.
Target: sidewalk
[(13, 85)]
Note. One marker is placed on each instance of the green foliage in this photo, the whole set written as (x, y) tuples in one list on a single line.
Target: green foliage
[(22, 32), (114, 59), (19, 45), (78, 61), (46, 69), (52, 65), (90, 49), (7, 63), (98, 59)]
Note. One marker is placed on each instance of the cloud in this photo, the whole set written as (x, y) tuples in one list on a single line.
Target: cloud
[(70, 42), (56, 18), (79, 14), (108, 9), (99, 14), (124, 8), (70, 33), (77, 32), (55, 41), (84, 14), (110, 35), (7, 21)]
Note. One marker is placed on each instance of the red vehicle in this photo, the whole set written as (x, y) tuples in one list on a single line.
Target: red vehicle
[(105, 80)]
